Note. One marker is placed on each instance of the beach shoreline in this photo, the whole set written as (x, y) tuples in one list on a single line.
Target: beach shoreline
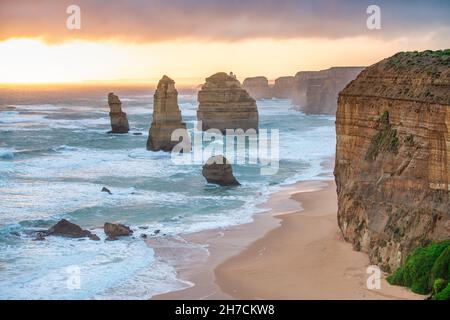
[(293, 251)]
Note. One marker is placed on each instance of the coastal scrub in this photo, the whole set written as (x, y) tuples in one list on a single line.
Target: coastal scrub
[(426, 270)]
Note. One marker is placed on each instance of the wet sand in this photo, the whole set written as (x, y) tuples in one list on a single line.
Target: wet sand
[(294, 251)]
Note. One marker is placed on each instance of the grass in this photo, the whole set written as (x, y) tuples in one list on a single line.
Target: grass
[(385, 140), (426, 270)]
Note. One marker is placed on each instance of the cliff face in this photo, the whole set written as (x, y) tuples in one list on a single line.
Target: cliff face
[(119, 121), (258, 87), (283, 88), (316, 92), (224, 104), (166, 116), (393, 156)]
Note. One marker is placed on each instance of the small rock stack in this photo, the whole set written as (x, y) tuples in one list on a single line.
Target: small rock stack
[(119, 121), (217, 170)]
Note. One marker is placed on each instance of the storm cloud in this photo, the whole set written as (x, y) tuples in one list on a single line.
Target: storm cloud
[(219, 20)]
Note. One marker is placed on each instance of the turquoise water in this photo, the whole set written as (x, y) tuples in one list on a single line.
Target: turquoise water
[(55, 157)]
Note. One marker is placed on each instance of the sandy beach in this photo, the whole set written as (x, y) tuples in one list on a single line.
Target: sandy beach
[(295, 251)]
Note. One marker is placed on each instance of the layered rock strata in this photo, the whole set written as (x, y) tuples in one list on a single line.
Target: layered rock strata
[(224, 104), (166, 117), (119, 121), (393, 156)]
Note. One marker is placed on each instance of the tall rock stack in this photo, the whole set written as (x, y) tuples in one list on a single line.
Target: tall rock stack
[(224, 104), (119, 121), (393, 156), (166, 116), (258, 88)]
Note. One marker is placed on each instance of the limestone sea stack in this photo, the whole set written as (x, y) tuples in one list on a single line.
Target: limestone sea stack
[(283, 87), (166, 116), (393, 156), (217, 170), (224, 104), (317, 92), (258, 88), (119, 121)]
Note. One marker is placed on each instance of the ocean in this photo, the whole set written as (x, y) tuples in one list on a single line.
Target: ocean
[(56, 156)]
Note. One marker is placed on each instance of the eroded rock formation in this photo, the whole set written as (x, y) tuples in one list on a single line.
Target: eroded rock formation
[(316, 92), (258, 88), (217, 170), (166, 117), (393, 156), (116, 230), (283, 87), (68, 229), (119, 121), (224, 104)]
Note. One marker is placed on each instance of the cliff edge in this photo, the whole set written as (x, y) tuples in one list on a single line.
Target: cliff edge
[(393, 156)]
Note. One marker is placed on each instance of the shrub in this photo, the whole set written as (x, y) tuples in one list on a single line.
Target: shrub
[(423, 267), (443, 294)]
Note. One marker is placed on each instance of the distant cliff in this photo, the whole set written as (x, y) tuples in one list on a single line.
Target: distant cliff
[(258, 87), (316, 92), (393, 156), (283, 87)]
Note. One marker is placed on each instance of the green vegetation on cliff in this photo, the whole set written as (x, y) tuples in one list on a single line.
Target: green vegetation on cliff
[(426, 270), (385, 139)]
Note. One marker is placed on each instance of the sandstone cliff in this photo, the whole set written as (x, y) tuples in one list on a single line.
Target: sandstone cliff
[(316, 92), (166, 116), (224, 104), (283, 87), (119, 121), (258, 87), (393, 156)]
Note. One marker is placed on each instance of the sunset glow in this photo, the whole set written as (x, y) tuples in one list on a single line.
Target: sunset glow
[(35, 61)]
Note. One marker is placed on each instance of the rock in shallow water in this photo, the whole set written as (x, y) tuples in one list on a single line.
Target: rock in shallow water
[(68, 229), (104, 189), (217, 170), (113, 230)]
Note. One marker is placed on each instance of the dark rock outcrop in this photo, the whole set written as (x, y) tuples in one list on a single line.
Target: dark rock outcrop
[(104, 189), (393, 156), (166, 117), (224, 104), (258, 88), (113, 230), (316, 92), (68, 229), (119, 121), (217, 170)]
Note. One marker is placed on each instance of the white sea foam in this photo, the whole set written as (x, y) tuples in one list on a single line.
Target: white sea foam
[(147, 190)]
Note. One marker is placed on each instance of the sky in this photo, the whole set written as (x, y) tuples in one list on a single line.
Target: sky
[(140, 40)]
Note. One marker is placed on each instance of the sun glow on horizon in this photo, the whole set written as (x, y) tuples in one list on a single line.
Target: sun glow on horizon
[(32, 61)]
